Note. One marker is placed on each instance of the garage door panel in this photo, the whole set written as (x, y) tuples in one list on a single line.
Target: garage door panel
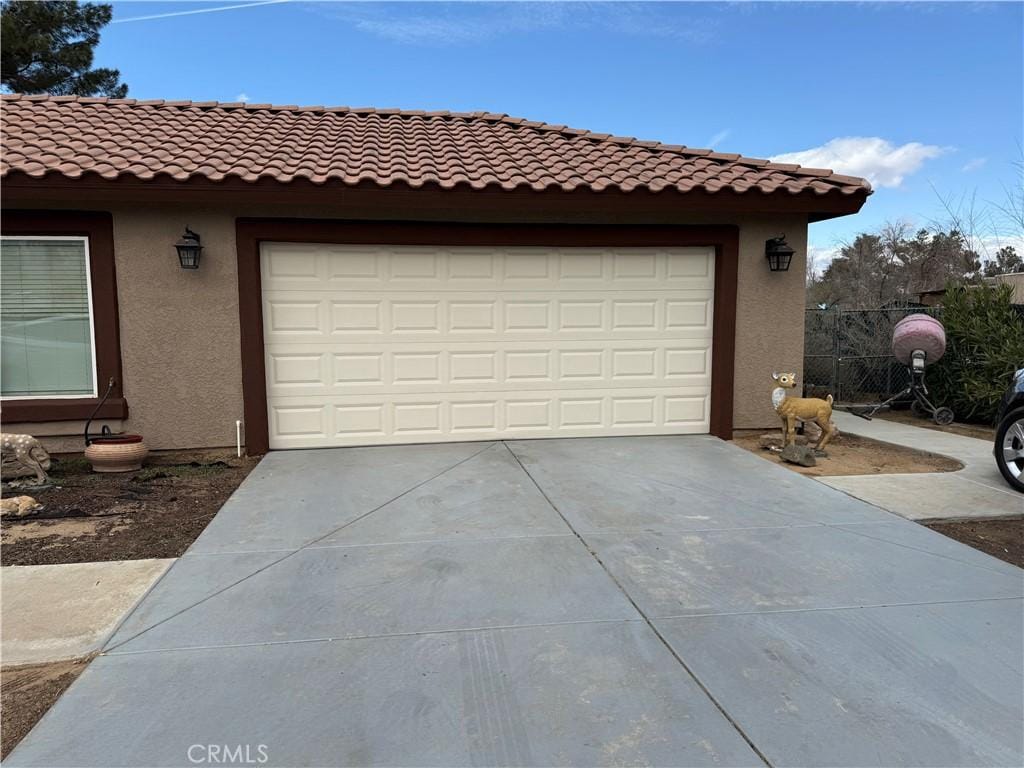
[(298, 422), (388, 268), (383, 345), (353, 369), (293, 370), (295, 315), (295, 264), (307, 369), (332, 316), (410, 418)]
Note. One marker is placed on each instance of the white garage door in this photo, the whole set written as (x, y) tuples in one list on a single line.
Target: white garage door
[(394, 344)]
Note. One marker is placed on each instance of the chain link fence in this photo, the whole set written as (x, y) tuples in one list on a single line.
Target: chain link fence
[(847, 353)]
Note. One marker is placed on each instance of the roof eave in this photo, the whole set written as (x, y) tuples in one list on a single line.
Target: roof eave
[(22, 189)]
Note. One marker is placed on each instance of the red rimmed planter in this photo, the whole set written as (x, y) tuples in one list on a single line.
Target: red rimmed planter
[(120, 453)]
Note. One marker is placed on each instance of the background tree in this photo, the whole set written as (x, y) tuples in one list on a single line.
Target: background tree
[(935, 258), (1005, 261), (893, 265), (47, 47), (851, 278), (972, 239)]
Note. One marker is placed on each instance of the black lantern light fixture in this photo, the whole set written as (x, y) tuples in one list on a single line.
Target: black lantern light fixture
[(189, 250), (779, 254)]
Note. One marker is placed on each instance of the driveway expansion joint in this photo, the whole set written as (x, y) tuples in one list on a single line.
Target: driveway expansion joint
[(378, 636), (647, 620), (305, 546)]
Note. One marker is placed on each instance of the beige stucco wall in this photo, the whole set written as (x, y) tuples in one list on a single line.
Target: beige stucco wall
[(1014, 280), (179, 328), (769, 319), (180, 336)]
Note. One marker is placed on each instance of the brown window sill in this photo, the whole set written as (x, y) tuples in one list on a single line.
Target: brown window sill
[(62, 410)]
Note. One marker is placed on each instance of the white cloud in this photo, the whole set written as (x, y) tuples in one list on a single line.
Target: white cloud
[(445, 23), (426, 29), (243, 97), (988, 246), (876, 159), (822, 254), (974, 164), (718, 138)]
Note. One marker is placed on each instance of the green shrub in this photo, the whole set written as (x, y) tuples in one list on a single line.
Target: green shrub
[(984, 346)]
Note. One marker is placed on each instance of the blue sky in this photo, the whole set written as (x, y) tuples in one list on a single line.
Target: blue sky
[(925, 99)]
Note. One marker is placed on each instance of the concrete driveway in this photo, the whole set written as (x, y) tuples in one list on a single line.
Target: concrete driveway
[(617, 601)]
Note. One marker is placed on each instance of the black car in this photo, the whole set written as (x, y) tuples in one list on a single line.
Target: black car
[(1009, 447)]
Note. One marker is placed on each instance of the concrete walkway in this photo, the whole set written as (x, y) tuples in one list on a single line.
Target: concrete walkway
[(976, 491), (58, 612), (622, 601)]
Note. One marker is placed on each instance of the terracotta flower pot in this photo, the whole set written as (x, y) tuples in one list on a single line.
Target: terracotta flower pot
[(123, 453)]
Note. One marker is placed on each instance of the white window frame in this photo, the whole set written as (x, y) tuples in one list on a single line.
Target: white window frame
[(92, 320)]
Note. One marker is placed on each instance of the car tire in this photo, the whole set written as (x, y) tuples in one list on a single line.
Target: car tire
[(1009, 439)]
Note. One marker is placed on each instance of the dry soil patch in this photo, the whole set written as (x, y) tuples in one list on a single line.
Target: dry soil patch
[(27, 692), (856, 455), (154, 513), (1000, 538)]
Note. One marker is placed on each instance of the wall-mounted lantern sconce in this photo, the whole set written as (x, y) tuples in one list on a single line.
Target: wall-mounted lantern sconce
[(779, 253), (189, 250)]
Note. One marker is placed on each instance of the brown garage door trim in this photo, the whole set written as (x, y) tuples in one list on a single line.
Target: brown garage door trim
[(249, 233), (98, 226)]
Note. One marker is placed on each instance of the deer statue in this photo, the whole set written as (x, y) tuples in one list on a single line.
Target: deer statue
[(794, 409), (22, 455)]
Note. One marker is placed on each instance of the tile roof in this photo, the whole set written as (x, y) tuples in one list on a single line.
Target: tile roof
[(71, 136)]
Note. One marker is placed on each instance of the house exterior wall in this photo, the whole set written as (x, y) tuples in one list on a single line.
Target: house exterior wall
[(1015, 280), (180, 342)]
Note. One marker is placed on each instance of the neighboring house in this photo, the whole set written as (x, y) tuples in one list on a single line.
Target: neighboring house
[(1015, 280), (379, 276), (931, 298)]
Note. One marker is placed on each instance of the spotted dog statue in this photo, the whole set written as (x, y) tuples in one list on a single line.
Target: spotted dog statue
[(794, 409), (23, 455)]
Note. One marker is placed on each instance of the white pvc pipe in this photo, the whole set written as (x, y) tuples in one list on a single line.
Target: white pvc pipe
[(238, 436)]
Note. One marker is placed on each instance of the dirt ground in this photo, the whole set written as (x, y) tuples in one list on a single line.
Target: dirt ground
[(1000, 538), (979, 431), (156, 512), (27, 692), (856, 455)]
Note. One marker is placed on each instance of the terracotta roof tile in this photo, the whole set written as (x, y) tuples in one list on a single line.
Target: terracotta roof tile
[(70, 137)]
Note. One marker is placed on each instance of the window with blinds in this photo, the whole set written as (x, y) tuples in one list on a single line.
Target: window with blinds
[(46, 338)]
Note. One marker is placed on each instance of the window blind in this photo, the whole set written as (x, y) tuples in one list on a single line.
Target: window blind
[(45, 331)]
